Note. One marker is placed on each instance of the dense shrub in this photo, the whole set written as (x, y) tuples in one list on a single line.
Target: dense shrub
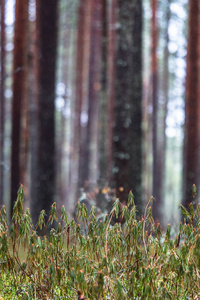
[(130, 261)]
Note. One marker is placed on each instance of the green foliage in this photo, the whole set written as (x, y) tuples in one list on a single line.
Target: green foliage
[(96, 260)]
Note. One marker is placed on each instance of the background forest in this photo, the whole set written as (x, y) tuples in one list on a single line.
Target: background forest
[(100, 97)]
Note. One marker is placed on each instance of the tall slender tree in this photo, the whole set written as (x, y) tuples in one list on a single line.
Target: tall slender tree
[(112, 28), (47, 49), (65, 193), (20, 51), (78, 161), (2, 100), (78, 101), (127, 145), (33, 116), (94, 89), (91, 170), (103, 111), (192, 107), (83, 158), (24, 129), (162, 115), (157, 188), (165, 82)]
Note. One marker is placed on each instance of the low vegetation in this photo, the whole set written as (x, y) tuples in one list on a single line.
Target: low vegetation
[(90, 259)]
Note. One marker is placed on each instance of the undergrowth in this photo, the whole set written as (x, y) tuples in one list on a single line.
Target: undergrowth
[(92, 259)]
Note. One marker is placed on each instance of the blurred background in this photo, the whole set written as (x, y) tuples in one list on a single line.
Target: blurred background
[(99, 98)]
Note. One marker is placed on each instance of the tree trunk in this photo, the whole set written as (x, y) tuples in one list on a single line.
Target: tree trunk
[(66, 37), (25, 110), (21, 15), (192, 110), (94, 93), (165, 81), (47, 49), (2, 101), (157, 188), (103, 114), (112, 27), (91, 171), (163, 108), (127, 145), (34, 110), (85, 91), (78, 101)]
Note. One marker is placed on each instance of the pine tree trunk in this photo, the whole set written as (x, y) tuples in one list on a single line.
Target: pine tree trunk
[(112, 27), (156, 152), (127, 145), (2, 101), (94, 93), (91, 170), (85, 92), (192, 111), (21, 14), (47, 49), (103, 114), (25, 111), (34, 110), (163, 105), (77, 107), (64, 126)]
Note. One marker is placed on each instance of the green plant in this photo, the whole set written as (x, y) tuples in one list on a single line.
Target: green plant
[(130, 261)]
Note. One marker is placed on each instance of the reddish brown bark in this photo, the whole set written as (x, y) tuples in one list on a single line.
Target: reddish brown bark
[(2, 100), (88, 167), (192, 111), (21, 9), (85, 90), (91, 171), (33, 130)]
